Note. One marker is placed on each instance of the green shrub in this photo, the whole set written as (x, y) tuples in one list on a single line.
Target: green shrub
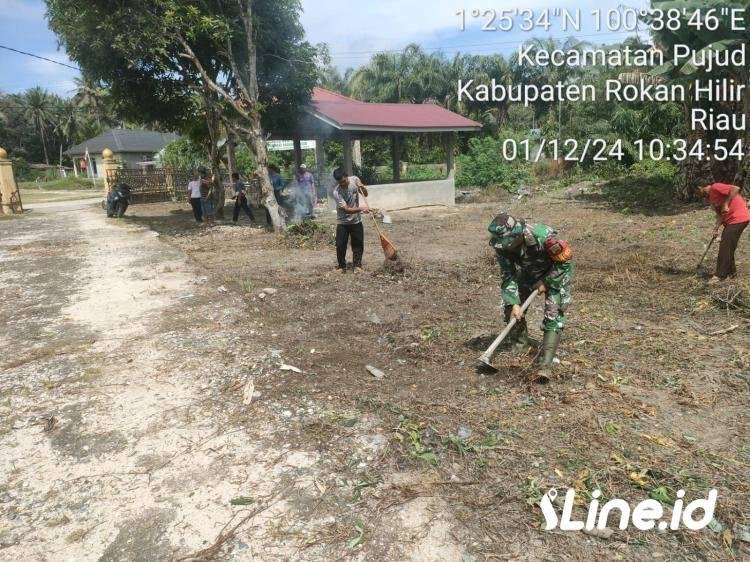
[(608, 170), (483, 165), (184, 154), (657, 169), (21, 169), (420, 173)]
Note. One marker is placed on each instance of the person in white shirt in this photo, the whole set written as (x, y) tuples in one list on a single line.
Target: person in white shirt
[(194, 194)]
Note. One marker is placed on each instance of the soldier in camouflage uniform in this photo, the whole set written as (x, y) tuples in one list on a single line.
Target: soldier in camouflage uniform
[(532, 257)]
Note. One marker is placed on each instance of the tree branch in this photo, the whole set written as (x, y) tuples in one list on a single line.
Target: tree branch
[(209, 82)]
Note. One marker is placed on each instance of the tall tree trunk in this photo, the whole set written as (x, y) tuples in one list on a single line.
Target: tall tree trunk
[(214, 131), (248, 78), (257, 144), (693, 172), (44, 141), (231, 154)]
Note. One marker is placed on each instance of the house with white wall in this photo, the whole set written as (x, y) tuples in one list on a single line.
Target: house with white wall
[(133, 149)]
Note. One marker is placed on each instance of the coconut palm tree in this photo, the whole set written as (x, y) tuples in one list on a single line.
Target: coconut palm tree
[(38, 108), (90, 96)]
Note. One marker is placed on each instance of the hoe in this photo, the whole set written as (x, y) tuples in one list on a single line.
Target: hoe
[(486, 359)]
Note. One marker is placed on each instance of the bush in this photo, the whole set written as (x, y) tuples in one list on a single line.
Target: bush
[(547, 169), (608, 170), (657, 169), (245, 161), (21, 169), (483, 165), (422, 173), (184, 154)]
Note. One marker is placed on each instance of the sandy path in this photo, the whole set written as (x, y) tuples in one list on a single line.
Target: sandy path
[(134, 407), (143, 453)]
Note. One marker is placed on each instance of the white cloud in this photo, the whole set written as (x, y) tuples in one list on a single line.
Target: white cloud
[(51, 76), (352, 27), (23, 10), (376, 25)]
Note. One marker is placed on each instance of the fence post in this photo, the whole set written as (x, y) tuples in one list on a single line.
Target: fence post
[(8, 186), (110, 167), (169, 180)]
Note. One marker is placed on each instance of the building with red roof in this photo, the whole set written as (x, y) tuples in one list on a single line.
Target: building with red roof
[(333, 116)]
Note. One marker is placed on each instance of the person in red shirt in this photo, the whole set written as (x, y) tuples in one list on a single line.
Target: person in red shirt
[(733, 215)]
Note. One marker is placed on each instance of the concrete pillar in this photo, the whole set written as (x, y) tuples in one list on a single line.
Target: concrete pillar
[(449, 156), (297, 153), (348, 161), (396, 155), (109, 167), (357, 153), (320, 164), (10, 199)]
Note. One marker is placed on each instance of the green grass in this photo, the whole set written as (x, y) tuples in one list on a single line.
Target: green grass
[(61, 184), (36, 196)]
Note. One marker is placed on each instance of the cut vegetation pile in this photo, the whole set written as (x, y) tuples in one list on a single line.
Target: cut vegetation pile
[(309, 234)]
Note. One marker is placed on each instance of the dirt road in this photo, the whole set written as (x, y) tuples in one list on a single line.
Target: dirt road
[(130, 419)]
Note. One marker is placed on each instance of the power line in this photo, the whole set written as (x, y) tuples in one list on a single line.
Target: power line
[(39, 57), (341, 54)]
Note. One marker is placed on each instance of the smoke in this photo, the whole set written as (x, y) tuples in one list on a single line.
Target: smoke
[(300, 204)]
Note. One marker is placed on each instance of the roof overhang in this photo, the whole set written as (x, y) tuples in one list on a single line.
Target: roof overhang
[(390, 129), (350, 115)]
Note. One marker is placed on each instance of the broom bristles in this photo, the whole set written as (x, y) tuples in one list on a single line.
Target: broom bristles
[(388, 249)]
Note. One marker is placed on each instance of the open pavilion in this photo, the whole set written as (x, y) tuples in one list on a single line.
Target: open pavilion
[(332, 116)]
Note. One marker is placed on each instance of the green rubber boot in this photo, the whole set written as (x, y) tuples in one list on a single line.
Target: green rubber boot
[(521, 339), (549, 350)]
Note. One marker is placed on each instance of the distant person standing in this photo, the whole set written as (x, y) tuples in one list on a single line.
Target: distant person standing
[(731, 213), (349, 218), (194, 195), (306, 184), (278, 185), (240, 199), (207, 193)]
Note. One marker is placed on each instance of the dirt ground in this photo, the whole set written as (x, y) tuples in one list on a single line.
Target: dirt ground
[(150, 410)]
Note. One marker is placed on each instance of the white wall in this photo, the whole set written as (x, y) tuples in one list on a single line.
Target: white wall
[(130, 161), (395, 196)]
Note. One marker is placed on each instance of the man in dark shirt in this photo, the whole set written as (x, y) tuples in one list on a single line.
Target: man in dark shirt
[(240, 199)]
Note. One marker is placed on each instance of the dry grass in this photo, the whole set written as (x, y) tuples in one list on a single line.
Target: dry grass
[(645, 402)]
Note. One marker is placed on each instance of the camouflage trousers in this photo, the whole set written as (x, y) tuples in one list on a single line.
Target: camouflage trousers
[(556, 301)]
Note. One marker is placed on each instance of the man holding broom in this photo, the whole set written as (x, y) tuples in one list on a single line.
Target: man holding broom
[(349, 218), (533, 257)]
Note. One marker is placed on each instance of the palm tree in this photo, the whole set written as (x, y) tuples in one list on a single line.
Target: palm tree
[(92, 97), (38, 109), (67, 120), (703, 42)]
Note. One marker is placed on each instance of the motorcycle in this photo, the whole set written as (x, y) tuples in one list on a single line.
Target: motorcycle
[(117, 200)]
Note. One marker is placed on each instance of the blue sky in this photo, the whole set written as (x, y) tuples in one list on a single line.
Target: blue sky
[(353, 29)]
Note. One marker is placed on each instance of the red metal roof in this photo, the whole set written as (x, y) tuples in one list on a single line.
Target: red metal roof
[(349, 114)]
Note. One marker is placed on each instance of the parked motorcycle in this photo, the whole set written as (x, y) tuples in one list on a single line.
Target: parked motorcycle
[(117, 200)]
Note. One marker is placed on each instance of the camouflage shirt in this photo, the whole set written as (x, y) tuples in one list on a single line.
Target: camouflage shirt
[(528, 262)]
